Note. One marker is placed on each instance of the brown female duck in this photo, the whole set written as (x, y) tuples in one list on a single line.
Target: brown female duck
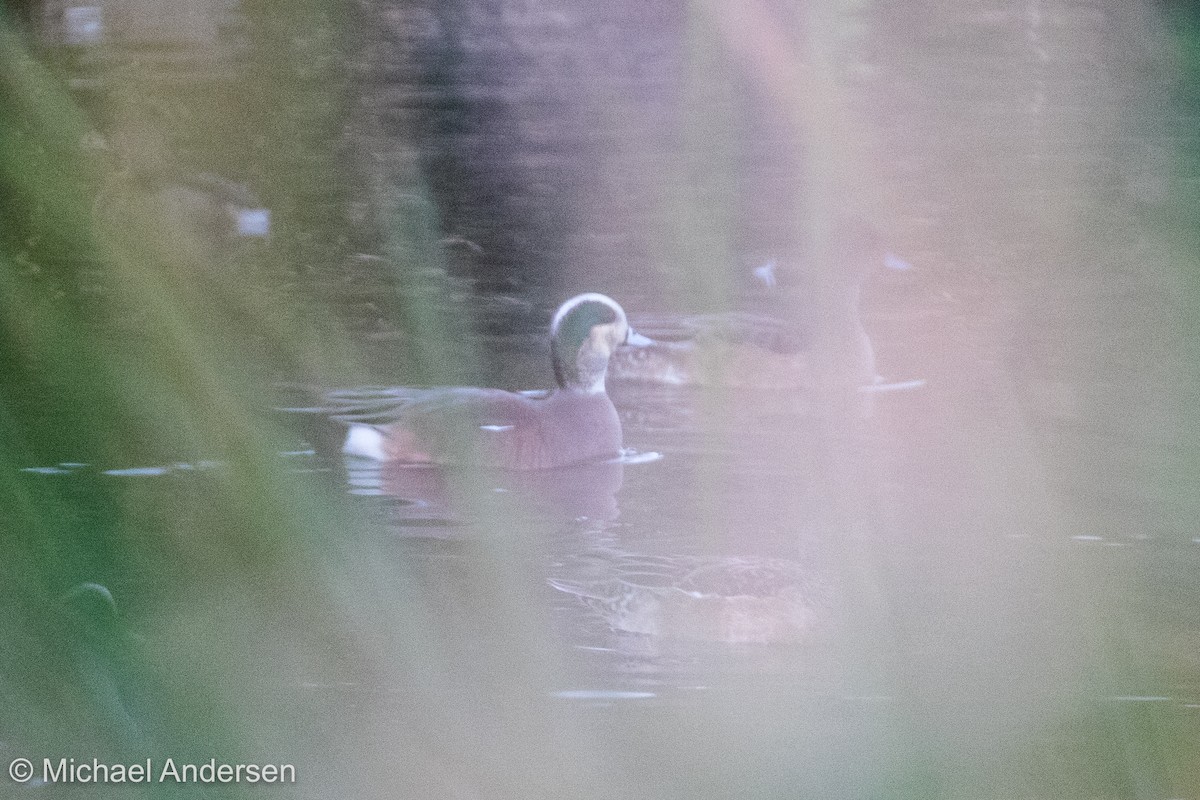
[(773, 346)]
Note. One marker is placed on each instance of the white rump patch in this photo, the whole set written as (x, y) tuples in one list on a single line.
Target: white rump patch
[(364, 441), (496, 428)]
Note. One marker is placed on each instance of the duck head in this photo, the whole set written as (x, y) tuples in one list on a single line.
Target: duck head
[(583, 335)]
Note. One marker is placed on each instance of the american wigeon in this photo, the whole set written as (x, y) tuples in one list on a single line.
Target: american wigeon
[(575, 423), (733, 600)]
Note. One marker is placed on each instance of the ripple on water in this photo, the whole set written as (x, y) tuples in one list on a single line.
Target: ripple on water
[(602, 694), (631, 457)]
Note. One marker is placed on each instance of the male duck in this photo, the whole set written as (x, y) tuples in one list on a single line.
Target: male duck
[(575, 423)]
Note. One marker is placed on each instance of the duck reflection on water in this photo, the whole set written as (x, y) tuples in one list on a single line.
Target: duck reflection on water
[(426, 495)]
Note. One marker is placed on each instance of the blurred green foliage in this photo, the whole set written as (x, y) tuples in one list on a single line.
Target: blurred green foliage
[(122, 347)]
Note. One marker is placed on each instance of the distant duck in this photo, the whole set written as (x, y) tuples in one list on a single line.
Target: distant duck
[(200, 218), (733, 600), (734, 349), (210, 216), (764, 349), (575, 423)]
